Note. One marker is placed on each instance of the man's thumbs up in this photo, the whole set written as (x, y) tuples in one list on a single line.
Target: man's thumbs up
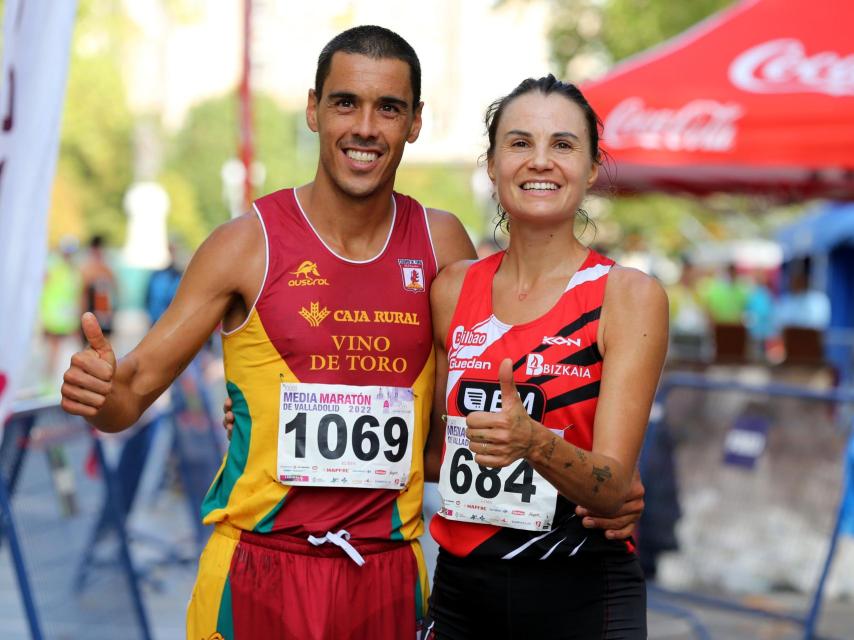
[(95, 338), (89, 380)]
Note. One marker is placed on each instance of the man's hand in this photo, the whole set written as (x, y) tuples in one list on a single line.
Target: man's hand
[(88, 381), (228, 417), (623, 523), (499, 439)]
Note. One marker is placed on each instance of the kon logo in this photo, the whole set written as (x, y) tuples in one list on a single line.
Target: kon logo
[(574, 342), (536, 366)]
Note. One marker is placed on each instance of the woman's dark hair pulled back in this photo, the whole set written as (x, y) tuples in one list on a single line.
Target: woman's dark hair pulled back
[(547, 85)]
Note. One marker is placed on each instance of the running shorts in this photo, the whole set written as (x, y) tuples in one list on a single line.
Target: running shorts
[(579, 598), (270, 586)]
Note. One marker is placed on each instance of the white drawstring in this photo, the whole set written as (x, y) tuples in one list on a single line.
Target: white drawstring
[(339, 539)]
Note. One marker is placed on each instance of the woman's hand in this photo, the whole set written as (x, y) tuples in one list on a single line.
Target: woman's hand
[(499, 439)]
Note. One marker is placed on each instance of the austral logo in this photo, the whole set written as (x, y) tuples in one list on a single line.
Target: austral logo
[(307, 275), (314, 315)]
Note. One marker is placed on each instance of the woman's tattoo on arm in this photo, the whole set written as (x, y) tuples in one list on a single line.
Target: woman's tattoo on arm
[(602, 474)]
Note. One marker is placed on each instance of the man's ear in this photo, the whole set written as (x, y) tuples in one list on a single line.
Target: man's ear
[(415, 129), (311, 110)]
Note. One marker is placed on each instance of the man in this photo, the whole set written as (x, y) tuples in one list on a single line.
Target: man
[(323, 294)]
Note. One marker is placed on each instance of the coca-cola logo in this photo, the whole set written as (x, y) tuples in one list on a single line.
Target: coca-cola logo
[(783, 66), (699, 125)]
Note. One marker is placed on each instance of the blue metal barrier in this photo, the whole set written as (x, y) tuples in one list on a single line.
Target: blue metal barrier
[(659, 595), (14, 448)]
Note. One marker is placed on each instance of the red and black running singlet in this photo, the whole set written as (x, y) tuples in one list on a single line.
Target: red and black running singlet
[(557, 370), (326, 335)]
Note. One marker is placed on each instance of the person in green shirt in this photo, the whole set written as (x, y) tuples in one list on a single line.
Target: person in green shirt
[(59, 306), (724, 297)]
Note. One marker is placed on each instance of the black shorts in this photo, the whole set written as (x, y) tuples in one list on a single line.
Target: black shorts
[(583, 598)]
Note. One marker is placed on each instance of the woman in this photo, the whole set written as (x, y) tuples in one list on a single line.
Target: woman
[(549, 357)]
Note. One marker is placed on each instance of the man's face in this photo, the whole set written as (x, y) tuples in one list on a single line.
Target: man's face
[(364, 118)]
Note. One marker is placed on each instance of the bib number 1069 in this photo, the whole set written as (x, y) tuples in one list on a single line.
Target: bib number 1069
[(487, 482), (345, 435), (365, 440)]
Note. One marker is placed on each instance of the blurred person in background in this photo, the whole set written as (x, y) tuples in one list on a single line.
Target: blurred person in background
[(724, 295), (759, 314), (163, 285), (99, 285), (801, 305), (60, 303), (689, 324)]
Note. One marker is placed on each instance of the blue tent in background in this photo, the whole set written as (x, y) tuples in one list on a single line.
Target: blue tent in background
[(825, 228), (826, 237)]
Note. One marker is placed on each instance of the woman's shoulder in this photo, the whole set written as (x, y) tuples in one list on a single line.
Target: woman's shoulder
[(632, 288)]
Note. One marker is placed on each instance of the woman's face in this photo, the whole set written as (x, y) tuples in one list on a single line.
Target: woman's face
[(542, 165)]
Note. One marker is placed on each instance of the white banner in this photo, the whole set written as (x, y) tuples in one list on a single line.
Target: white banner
[(36, 46)]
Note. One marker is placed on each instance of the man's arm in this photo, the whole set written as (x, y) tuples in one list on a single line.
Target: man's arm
[(451, 243), (443, 300), (224, 273)]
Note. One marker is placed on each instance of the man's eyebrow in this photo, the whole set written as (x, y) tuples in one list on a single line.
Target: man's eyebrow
[(339, 95), (400, 102)]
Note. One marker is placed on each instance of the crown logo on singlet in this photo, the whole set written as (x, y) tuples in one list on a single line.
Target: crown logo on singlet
[(413, 274), (314, 315), (307, 275)]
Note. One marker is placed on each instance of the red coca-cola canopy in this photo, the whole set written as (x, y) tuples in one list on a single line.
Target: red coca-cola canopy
[(758, 98)]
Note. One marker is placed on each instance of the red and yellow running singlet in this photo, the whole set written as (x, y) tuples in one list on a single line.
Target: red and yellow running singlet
[(557, 370), (325, 334)]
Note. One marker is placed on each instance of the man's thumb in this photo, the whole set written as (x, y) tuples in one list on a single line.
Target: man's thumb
[(95, 337), (509, 394)]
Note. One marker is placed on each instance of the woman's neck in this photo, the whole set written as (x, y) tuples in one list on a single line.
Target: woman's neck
[(536, 254)]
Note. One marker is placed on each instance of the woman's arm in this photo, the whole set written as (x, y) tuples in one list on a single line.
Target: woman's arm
[(443, 300), (633, 332)]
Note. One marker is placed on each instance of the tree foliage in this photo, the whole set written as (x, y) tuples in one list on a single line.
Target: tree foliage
[(95, 160), (209, 138), (617, 29)]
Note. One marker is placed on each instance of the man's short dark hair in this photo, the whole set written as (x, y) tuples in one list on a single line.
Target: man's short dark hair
[(374, 42)]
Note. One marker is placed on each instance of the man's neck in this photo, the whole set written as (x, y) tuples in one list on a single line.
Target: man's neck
[(354, 228)]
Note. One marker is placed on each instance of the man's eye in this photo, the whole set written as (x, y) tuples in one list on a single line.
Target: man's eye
[(563, 145), (344, 102), (390, 108), (519, 143)]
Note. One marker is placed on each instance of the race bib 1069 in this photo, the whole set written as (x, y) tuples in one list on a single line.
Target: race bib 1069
[(335, 435), (515, 496)]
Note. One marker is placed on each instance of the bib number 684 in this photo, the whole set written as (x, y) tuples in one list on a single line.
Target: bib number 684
[(487, 482), (364, 440)]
